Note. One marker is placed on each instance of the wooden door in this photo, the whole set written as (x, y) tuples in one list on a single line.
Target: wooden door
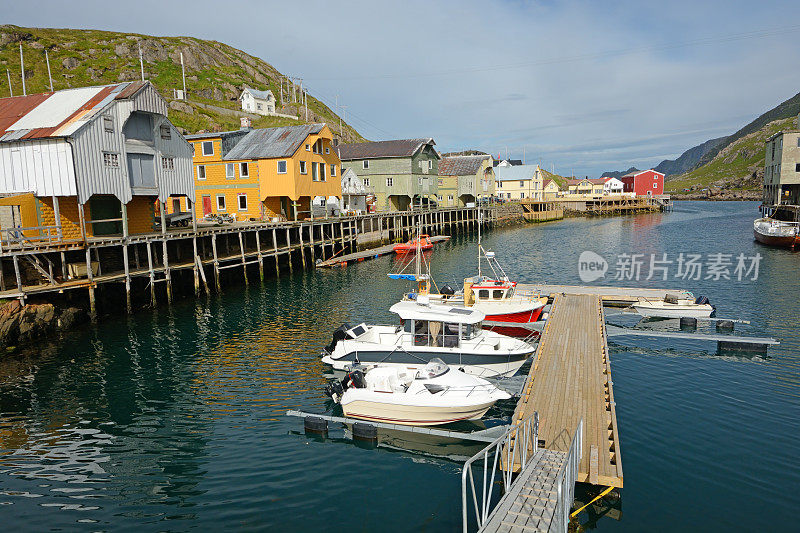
[(206, 205)]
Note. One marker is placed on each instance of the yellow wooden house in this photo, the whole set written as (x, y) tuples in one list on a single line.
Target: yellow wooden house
[(264, 174)]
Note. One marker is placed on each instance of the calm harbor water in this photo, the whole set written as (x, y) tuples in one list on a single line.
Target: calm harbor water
[(174, 420)]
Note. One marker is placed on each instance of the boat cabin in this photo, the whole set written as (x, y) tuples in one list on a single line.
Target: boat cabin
[(438, 326), (488, 290)]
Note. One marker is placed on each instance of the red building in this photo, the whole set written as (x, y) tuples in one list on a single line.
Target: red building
[(644, 182)]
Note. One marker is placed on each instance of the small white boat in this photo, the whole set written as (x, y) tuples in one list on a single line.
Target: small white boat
[(675, 306), (454, 334), (433, 395)]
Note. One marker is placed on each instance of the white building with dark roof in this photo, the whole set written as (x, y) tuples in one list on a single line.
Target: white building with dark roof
[(259, 102)]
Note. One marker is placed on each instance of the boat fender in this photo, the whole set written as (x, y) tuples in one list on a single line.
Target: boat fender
[(315, 424), (688, 323), (365, 431), (725, 325)]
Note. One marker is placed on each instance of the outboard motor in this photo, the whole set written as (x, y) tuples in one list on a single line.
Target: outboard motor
[(447, 290), (701, 300), (354, 379), (339, 334)]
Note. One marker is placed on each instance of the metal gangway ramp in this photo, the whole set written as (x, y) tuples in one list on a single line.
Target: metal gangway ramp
[(570, 381)]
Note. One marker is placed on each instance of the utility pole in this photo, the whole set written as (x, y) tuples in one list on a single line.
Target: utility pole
[(344, 110), (183, 75), (10, 88), (141, 61), (22, 66), (305, 99), (49, 75), (281, 91)]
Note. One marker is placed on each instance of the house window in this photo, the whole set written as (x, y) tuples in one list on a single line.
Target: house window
[(244, 170), (108, 123), (111, 160), (389, 182), (322, 171), (327, 150), (208, 148), (655, 185), (322, 202), (366, 182), (430, 164), (499, 184), (318, 146), (450, 197), (798, 142), (230, 170), (166, 132), (522, 195), (220, 202), (508, 195), (521, 183), (365, 163), (797, 167), (281, 167), (168, 163), (303, 169), (242, 198), (308, 148), (333, 171), (314, 171), (441, 182), (259, 106), (419, 181), (201, 172)]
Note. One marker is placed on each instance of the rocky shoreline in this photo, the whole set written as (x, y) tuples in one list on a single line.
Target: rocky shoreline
[(722, 196), (23, 324)]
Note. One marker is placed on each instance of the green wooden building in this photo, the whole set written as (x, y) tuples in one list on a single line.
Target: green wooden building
[(403, 173)]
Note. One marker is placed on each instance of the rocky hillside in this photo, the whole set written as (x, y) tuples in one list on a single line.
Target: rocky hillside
[(215, 73), (690, 158), (737, 166)]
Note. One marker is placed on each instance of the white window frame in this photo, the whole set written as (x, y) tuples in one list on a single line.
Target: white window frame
[(167, 163), (199, 169), (208, 143), (239, 201), (365, 164), (244, 170), (308, 147), (108, 123), (314, 171), (327, 150), (303, 167), (165, 131), (224, 207), (285, 166), (366, 182), (322, 176), (430, 164), (333, 171), (390, 182), (111, 159), (232, 168)]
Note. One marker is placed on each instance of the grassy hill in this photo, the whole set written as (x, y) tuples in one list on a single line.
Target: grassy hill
[(561, 181), (215, 73), (738, 166)]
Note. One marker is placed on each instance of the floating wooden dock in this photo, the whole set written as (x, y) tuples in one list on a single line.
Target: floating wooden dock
[(609, 295), (570, 380), (369, 254)]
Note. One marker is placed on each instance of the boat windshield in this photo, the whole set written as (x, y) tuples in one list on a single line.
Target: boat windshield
[(433, 369)]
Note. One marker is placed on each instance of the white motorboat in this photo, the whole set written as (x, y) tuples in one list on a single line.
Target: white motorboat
[(675, 306), (451, 333), (433, 395)]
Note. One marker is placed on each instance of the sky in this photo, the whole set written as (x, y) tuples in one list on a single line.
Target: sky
[(580, 87)]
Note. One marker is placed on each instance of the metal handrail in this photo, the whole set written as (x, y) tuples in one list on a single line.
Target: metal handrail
[(517, 445), (565, 481)]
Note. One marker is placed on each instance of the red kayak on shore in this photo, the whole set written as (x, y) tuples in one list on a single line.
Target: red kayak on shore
[(422, 243)]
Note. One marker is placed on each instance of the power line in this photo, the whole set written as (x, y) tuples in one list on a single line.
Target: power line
[(581, 57)]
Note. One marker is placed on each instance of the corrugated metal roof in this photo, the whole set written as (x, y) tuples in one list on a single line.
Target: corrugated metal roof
[(371, 150), (272, 142), (596, 181), (518, 172), (461, 165), (57, 114), (261, 95)]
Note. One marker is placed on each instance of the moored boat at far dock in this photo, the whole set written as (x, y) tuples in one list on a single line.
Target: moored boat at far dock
[(776, 232)]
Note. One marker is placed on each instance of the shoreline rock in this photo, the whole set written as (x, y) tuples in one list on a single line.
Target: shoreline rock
[(23, 324)]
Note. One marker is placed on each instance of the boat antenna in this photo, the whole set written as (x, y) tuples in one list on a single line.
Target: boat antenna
[(479, 242)]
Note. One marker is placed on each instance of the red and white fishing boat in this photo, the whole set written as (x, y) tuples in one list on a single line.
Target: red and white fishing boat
[(777, 232), (421, 243)]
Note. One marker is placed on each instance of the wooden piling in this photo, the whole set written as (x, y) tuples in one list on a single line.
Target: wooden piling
[(289, 249), (275, 244), (152, 274), (260, 257), (90, 277), (216, 262), (244, 260), (125, 262)]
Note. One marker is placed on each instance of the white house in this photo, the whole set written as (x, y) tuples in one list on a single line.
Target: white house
[(259, 102), (613, 186), (354, 198)]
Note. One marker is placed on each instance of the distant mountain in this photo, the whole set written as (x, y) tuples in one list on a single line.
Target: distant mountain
[(618, 173), (690, 158)]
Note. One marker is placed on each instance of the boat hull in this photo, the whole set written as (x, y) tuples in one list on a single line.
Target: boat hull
[(522, 317), (408, 415), (776, 240), (686, 312), (408, 249), (475, 365)]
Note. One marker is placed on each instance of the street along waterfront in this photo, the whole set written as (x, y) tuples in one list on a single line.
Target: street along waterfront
[(175, 419)]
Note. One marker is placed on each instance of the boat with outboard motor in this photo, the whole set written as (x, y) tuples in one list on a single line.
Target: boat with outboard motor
[(422, 243), (451, 333), (433, 395), (675, 306)]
